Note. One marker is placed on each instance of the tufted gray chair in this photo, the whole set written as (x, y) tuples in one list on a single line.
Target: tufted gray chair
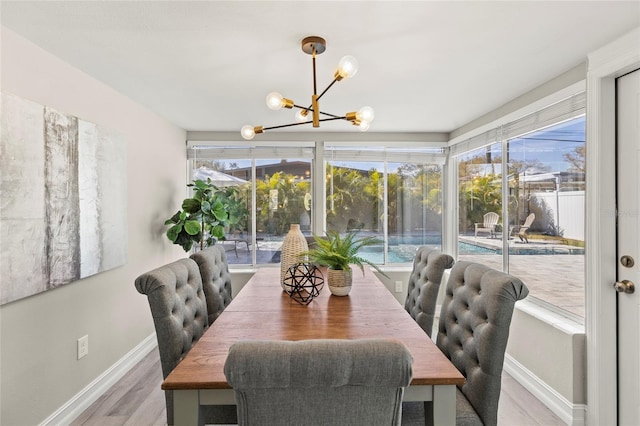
[(473, 332), (216, 279), (179, 312), (319, 382), (422, 292)]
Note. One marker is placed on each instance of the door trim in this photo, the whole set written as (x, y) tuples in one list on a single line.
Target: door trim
[(605, 64)]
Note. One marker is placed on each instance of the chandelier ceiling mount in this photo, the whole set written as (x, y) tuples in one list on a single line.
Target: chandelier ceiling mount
[(347, 67)]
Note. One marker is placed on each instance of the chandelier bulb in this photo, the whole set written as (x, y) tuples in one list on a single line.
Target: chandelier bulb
[(364, 126), (302, 116), (347, 67), (274, 100), (366, 113), (247, 132)]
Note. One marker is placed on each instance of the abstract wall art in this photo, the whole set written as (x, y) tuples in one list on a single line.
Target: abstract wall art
[(63, 196)]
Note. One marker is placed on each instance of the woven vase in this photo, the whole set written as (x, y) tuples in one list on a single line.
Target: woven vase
[(293, 245), (339, 281)]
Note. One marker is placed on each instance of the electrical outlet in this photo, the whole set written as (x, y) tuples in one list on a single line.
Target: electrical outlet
[(398, 286), (83, 346)]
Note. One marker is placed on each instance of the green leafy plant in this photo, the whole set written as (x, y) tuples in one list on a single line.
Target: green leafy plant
[(203, 217), (338, 252)]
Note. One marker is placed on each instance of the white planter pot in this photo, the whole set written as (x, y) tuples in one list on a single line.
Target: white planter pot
[(339, 281)]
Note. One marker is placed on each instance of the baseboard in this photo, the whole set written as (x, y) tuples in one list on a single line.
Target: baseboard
[(571, 414), (87, 396)]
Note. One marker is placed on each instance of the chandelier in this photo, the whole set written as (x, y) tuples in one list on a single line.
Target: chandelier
[(347, 67)]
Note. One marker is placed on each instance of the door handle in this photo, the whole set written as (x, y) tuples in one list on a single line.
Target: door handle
[(624, 286)]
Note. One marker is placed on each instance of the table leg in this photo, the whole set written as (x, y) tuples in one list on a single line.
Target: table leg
[(186, 408), (444, 405)]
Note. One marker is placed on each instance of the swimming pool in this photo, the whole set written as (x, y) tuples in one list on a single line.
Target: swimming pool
[(404, 253)]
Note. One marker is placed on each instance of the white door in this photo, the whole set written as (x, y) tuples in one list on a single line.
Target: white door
[(628, 200)]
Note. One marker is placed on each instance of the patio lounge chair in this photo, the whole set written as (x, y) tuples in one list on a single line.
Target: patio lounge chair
[(489, 224), (522, 230)]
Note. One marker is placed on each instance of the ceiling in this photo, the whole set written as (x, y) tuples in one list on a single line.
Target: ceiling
[(424, 66)]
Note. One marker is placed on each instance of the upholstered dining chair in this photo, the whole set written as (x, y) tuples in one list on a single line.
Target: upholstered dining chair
[(424, 283), (179, 312), (216, 279), (319, 382), (473, 333)]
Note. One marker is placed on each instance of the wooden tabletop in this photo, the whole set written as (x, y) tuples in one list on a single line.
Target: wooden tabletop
[(262, 310)]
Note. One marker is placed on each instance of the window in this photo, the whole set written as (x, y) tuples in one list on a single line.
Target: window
[(391, 193), (397, 199), (283, 195), (547, 185), (274, 190), (540, 200), (480, 197)]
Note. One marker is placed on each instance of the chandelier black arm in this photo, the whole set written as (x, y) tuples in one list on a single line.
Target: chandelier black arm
[(319, 96), (310, 109), (330, 115), (328, 87), (285, 125), (333, 117)]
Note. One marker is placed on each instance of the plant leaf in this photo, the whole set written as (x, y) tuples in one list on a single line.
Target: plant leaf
[(174, 231), (191, 205), (192, 227), (218, 231)]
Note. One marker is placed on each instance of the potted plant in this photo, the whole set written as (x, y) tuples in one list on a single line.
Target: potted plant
[(203, 217), (338, 253)]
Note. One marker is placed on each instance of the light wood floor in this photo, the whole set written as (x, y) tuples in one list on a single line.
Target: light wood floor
[(137, 400)]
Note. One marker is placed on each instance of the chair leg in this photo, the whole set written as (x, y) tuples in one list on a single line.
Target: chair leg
[(168, 395), (428, 413)]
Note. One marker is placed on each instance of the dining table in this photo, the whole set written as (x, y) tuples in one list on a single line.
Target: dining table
[(263, 311)]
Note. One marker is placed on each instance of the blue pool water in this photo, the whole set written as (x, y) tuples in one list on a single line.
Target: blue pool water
[(404, 253), (466, 248)]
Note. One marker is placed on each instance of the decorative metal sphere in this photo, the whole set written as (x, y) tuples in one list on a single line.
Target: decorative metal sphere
[(302, 282)]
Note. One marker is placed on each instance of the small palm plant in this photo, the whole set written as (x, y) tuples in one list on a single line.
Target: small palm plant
[(338, 252)]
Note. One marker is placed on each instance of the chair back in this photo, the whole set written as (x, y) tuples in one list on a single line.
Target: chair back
[(424, 283), (491, 219), (528, 221), (179, 312), (216, 279), (474, 328), (319, 382)]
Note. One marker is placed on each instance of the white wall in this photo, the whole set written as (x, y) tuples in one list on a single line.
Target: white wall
[(546, 353), (40, 371)]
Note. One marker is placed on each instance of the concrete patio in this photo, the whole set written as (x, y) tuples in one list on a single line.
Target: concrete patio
[(556, 275)]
